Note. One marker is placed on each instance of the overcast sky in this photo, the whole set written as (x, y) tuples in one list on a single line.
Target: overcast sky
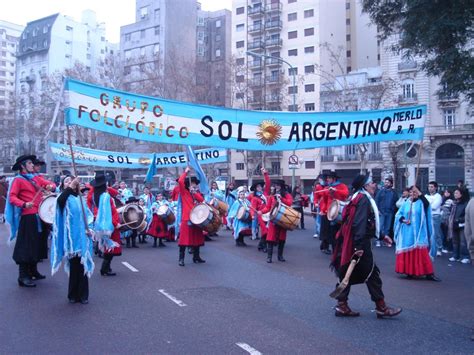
[(114, 13)]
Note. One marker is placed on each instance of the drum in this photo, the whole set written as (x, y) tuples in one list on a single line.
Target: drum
[(285, 216), (266, 217), (47, 209), (166, 214), (133, 216), (243, 214), (205, 217), (219, 205), (335, 209)]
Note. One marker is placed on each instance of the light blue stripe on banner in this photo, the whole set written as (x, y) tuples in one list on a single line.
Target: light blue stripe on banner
[(219, 114)]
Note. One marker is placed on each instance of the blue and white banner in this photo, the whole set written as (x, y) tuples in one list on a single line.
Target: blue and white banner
[(108, 159), (165, 121)]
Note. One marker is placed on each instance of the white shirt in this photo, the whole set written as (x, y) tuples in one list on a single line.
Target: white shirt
[(435, 202)]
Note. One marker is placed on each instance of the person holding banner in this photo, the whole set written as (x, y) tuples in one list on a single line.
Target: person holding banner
[(106, 224), (276, 235), (158, 228), (23, 199), (189, 234), (241, 227), (335, 190), (71, 240)]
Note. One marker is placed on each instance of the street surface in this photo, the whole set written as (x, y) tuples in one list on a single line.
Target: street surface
[(235, 303)]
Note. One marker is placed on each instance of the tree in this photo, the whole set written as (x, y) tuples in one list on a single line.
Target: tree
[(440, 31)]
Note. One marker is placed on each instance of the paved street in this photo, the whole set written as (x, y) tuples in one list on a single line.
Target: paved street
[(235, 301)]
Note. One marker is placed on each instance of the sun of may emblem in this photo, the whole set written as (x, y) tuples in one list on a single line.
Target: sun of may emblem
[(144, 161), (269, 132)]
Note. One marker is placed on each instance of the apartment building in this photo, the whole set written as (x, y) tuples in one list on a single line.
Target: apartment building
[(9, 38)]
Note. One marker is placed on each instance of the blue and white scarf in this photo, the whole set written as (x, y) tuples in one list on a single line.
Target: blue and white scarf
[(103, 226)]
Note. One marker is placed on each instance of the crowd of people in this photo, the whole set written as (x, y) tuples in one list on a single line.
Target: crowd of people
[(97, 218)]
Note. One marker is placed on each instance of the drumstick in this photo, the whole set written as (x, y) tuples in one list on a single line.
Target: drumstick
[(126, 224)]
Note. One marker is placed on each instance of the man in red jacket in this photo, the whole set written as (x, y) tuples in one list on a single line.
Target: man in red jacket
[(336, 190), (24, 199)]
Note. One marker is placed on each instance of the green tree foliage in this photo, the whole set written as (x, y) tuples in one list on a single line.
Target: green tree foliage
[(441, 31)]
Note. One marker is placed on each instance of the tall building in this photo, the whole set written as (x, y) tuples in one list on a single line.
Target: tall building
[(284, 51), (154, 44), (50, 45), (9, 38), (214, 53)]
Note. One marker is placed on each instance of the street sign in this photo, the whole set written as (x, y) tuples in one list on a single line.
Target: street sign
[(293, 162)]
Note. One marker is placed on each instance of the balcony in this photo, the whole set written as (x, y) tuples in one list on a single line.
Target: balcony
[(273, 43), (348, 157), (462, 130), (447, 99), (256, 64), (255, 45), (273, 62), (255, 10), (327, 158), (408, 100), (407, 66), (271, 98), (255, 29), (274, 25), (375, 156), (255, 82), (276, 79), (274, 8)]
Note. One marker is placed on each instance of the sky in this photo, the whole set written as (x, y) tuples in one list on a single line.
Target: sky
[(114, 13)]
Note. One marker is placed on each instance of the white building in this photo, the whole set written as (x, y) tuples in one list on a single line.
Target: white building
[(9, 39), (51, 45)]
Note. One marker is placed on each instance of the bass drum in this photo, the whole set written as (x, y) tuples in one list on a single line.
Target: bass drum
[(205, 217), (166, 214), (286, 217), (133, 216), (47, 209), (243, 214), (335, 209), (219, 205)]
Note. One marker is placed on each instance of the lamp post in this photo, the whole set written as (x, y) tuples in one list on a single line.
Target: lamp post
[(293, 74)]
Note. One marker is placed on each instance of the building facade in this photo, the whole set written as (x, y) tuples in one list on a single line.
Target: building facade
[(9, 39)]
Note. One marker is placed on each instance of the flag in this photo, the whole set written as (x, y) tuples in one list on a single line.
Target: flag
[(193, 162), (151, 170)]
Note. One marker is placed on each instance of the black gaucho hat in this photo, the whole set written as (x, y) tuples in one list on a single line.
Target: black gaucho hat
[(132, 199), (194, 180), (84, 187), (332, 174), (255, 184), (21, 159), (359, 182), (39, 162), (99, 180)]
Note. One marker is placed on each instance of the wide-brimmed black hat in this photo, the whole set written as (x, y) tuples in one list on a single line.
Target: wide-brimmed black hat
[(99, 180), (359, 182), (254, 185), (21, 159), (84, 187), (194, 180), (132, 199), (38, 162), (332, 174)]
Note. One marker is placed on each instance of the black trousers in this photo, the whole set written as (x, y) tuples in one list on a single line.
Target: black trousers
[(328, 233), (374, 285), (78, 282), (27, 246), (300, 210)]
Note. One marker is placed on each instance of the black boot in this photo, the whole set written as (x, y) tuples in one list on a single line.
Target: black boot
[(24, 277), (261, 245), (182, 251), (105, 270), (127, 241), (269, 252), (242, 241), (134, 242), (161, 244), (34, 273), (197, 256), (281, 246)]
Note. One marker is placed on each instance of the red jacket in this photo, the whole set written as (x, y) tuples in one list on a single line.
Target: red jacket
[(276, 233), (341, 192), (23, 191)]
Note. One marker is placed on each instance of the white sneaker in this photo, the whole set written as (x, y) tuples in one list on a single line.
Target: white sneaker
[(466, 261), (444, 251), (453, 259), (438, 253), (377, 244)]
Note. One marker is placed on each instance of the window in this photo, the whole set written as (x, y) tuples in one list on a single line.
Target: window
[(156, 48), (348, 21), (157, 30), (240, 27), (292, 34), (309, 32), (240, 10), (239, 166), (348, 37), (408, 89), (309, 49), (128, 54), (348, 54), (293, 108), (292, 53), (144, 12), (218, 53), (310, 106), (45, 43), (142, 33), (291, 1), (292, 71), (449, 118), (292, 89), (218, 38), (239, 95), (240, 61), (218, 23), (157, 14), (239, 78), (240, 44), (348, 5), (275, 168), (45, 29), (142, 51), (311, 164), (309, 88), (309, 69), (128, 37), (308, 13), (68, 28), (349, 69), (35, 32), (293, 16)]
